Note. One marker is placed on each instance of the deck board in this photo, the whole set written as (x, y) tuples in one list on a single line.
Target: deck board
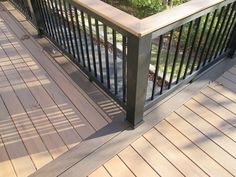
[(200, 134), (42, 113)]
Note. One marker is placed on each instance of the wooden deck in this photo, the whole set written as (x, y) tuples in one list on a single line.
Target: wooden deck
[(198, 139), (51, 127), (42, 113)]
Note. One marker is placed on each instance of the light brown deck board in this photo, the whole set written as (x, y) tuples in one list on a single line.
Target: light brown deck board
[(173, 154), (216, 108), (117, 168), (62, 110), (212, 118), (200, 134), (155, 159), (14, 146), (203, 143), (48, 114), (135, 162), (5, 162), (100, 172)]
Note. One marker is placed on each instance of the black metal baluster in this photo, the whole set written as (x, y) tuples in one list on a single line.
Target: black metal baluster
[(70, 23), (199, 45), (71, 46), (86, 41), (60, 25), (124, 65), (92, 45), (184, 51), (80, 37), (43, 28), (64, 27), (176, 57), (214, 35), (157, 67), (99, 50), (54, 21), (212, 56), (47, 11), (74, 34), (207, 40), (166, 62), (107, 56), (48, 29), (223, 34), (224, 46), (197, 21), (115, 60)]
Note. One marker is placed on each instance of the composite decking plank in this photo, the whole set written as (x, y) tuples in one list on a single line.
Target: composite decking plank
[(92, 115), (6, 168), (155, 159), (173, 154), (224, 91), (220, 99), (55, 116), (212, 118), (117, 168), (15, 148), (190, 149), (208, 130), (232, 70), (78, 99), (45, 100), (206, 143), (27, 131), (16, 80), (100, 172), (136, 164), (68, 109), (216, 108), (230, 75), (41, 123), (227, 83)]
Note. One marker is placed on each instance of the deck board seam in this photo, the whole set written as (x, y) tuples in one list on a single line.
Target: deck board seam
[(26, 112), (215, 113), (144, 160), (35, 99), (210, 122), (21, 139), (212, 87), (197, 146), (163, 155), (219, 103), (179, 148), (4, 146), (203, 134), (57, 67)]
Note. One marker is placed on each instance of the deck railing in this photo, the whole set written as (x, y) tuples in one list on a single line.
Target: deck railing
[(138, 62)]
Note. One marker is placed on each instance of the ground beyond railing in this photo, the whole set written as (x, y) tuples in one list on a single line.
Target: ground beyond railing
[(137, 62)]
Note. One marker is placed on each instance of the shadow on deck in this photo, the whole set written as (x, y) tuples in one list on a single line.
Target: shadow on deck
[(54, 122)]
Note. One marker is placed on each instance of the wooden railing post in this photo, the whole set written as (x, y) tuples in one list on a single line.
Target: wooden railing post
[(138, 60), (35, 14)]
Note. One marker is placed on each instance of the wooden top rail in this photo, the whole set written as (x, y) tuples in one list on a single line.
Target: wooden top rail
[(150, 24)]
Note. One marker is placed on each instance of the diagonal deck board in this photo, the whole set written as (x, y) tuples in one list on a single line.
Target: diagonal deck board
[(52, 118), (42, 113), (200, 134)]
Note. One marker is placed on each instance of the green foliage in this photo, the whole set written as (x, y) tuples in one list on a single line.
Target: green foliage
[(144, 8)]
